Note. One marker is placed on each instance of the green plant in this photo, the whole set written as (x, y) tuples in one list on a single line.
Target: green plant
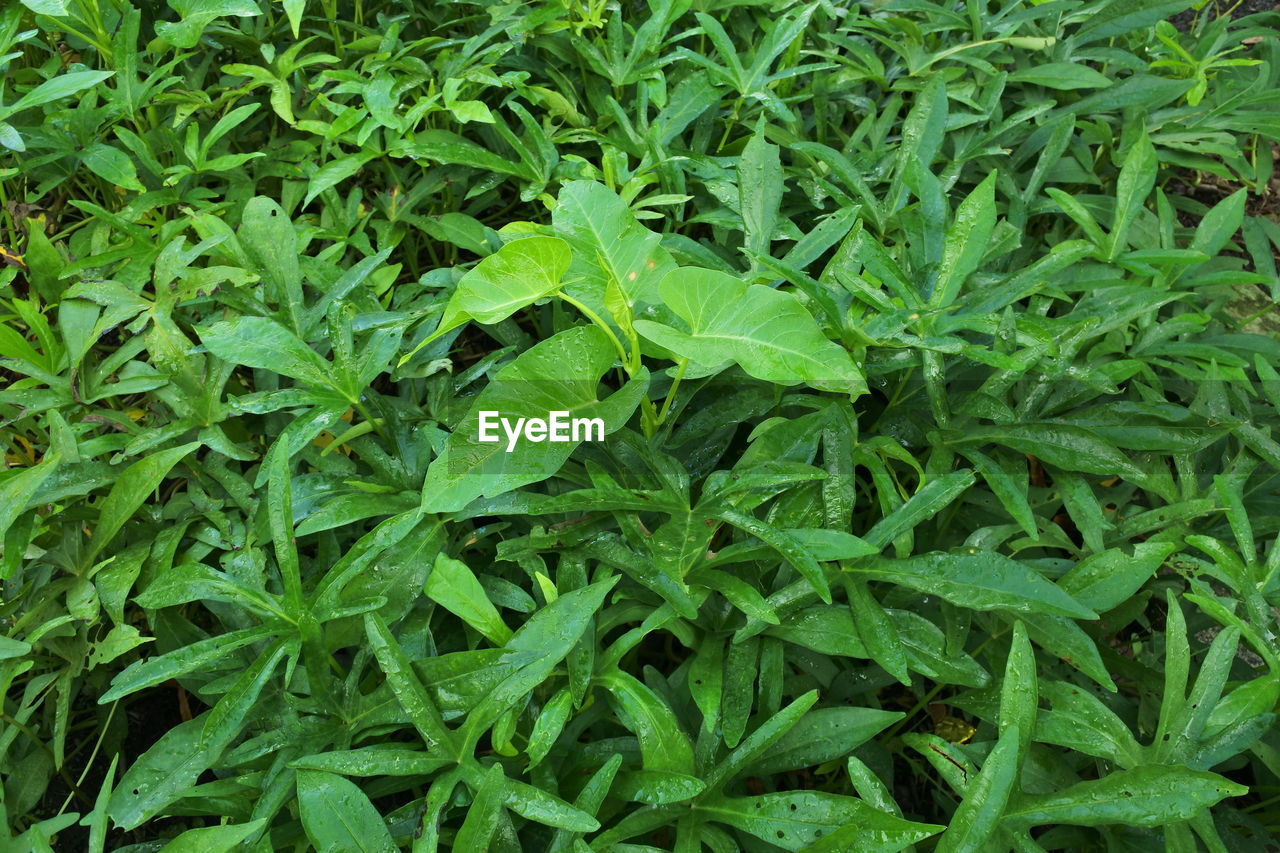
[(936, 505)]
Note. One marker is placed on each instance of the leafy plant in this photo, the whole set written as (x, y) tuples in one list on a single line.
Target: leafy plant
[(936, 504)]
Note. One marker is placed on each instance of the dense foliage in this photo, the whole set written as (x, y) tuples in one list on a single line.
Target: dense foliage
[(934, 345)]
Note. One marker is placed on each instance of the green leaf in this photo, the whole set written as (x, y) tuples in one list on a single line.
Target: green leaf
[(560, 374), (547, 809), (1220, 224), (55, 89), (1061, 75), (978, 816), (1065, 446), (1019, 693), (927, 651), (486, 808), (465, 232), (876, 630), (782, 542), (10, 138), (1187, 725), (214, 839), (198, 14), (967, 241), (1078, 720), (168, 769), (610, 247), (539, 647), (759, 192), (549, 725), (338, 817), (516, 276), (768, 734), (373, 761), (269, 240), (591, 797), (443, 146), (926, 503), (132, 487), (1065, 639), (1137, 178), (453, 586), (11, 648), (1010, 488), (189, 658), (1080, 214), (981, 580), (821, 735), (334, 171), (831, 545), (1149, 796), (706, 679), (663, 744), (293, 10), (1121, 16), (408, 690), (657, 787), (795, 820), (738, 688), (767, 332), (264, 344), (1108, 579), (17, 490), (825, 628), (55, 8), (113, 165)]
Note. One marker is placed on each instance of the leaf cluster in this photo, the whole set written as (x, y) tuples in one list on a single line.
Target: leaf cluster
[(940, 496)]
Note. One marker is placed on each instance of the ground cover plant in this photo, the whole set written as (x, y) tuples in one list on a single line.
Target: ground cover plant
[(935, 349)]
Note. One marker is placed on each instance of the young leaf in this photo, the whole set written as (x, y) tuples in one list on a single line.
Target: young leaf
[(514, 277), (610, 247), (767, 332), (453, 586), (1137, 178)]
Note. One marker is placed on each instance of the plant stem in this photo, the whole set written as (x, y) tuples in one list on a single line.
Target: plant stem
[(595, 318), (671, 394)]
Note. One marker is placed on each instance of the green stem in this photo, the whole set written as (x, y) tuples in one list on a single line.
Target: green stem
[(92, 755), (728, 125), (365, 413), (595, 318), (671, 395)]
